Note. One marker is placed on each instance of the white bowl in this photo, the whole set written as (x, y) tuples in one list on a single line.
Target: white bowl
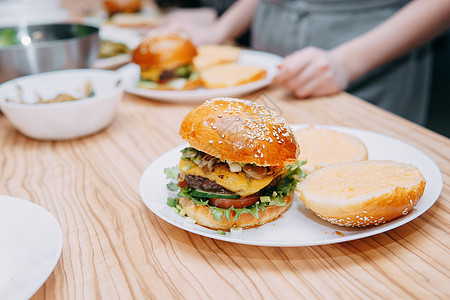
[(65, 120)]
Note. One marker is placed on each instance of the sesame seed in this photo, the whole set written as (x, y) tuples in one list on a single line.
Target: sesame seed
[(261, 123)]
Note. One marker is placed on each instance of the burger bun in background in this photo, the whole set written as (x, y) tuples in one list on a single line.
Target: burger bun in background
[(165, 60)]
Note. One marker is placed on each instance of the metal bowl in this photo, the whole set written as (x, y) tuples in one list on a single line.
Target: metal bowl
[(34, 49)]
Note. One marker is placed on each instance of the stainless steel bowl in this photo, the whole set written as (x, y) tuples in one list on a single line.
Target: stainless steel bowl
[(34, 49)]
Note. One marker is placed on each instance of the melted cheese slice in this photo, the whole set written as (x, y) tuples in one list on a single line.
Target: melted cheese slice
[(237, 182), (151, 74)]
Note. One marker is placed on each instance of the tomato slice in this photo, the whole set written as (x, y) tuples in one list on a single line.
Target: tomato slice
[(236, 203), (182, 183)]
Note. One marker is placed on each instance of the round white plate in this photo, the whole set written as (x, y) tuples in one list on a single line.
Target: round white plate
[(299, 226), (112, 62), (265, 60), (30, 246)]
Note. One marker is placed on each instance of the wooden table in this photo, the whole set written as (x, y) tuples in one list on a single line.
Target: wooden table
[(114, 247)]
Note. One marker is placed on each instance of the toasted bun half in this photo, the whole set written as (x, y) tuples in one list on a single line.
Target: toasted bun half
[(232, 74), (240, 131), (202, 214), (164, 50), (213, 55), (364, 193), (323, 147)]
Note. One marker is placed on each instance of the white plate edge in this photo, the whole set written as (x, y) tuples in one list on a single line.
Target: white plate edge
[(58, 251)]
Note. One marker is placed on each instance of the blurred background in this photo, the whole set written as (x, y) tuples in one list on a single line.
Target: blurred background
[(99, 12)]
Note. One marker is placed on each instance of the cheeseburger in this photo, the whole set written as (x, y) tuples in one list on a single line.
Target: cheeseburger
[(122, 6), (165, 60), (240, 169)]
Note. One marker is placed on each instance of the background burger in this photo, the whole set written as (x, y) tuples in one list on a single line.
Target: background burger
[(165, 60), (240, 169), (122, 6)]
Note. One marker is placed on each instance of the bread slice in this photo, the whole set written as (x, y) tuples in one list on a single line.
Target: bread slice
[(232, 74), (212, 55), (203, 216), (324, 147), (362, 193)]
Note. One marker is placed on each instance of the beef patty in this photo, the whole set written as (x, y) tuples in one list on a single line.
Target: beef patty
[(204, 184)]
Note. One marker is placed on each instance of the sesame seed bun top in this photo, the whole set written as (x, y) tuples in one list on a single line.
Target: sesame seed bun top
[(240, 131), (165, 50)]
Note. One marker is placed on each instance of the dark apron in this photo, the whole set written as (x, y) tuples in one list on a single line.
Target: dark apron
[(401, 86)]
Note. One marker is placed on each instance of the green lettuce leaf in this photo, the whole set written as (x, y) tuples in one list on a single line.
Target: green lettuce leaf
[(172, 186), (171, 172)]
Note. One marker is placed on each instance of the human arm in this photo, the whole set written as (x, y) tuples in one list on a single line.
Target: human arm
[(230, 25), (203, 16), (316, 72)]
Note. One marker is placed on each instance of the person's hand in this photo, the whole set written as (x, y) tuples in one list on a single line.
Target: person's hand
[(312, 72)]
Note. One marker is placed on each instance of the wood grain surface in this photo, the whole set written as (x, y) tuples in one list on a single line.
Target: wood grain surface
[(116, 248)]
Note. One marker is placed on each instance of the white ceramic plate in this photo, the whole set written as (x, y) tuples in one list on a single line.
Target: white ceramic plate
[(265, 60), (30, 246), (119, 35), (299, 226), (112, 62)]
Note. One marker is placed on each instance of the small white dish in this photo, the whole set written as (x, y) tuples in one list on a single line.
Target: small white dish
[(65, 120), (298, 226), (120, 35), (264, 60), (30, 246)]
